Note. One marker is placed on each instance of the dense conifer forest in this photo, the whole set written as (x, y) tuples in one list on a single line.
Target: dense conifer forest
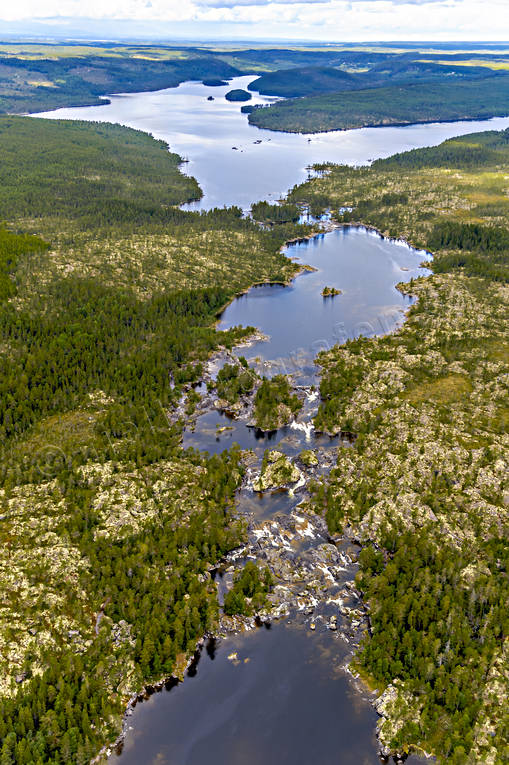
[(109, 529), (275, 404), (334, 88), (424, 488), (393, 104)]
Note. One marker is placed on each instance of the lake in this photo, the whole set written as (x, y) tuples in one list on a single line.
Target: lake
[(236, 163), (299, 322), (282, 694)]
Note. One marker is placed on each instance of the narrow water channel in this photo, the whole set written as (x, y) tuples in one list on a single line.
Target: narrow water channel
[(280, 693), (284, 694)]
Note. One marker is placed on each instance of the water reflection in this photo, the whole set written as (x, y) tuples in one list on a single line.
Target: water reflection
[(300, 322), (275, 695), (272, 701), (265, 163)]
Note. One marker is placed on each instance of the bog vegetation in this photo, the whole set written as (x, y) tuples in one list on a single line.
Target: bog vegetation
[(108, 295), (425, 486), (108, 528)]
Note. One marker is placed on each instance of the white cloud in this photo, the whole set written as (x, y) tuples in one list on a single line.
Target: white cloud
[(347, 6), (308, 19)]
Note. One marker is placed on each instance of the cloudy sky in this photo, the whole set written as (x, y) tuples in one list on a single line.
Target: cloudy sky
[(333, 20)]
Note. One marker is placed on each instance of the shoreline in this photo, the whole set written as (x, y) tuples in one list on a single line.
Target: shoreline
[(105, 100), (299, 270), (357, 680), (144, 693), (362, 126), (424, 278)]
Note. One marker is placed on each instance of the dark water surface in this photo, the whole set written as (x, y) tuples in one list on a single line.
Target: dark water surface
[(300, 322), (278, 696), (281, 696), (284, 700)]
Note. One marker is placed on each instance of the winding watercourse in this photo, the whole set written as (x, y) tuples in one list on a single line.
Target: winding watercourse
[(279, 691)]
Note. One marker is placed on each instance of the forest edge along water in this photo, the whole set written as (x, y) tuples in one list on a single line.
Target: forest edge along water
[(283, 694), (236, 163), (281, 690)]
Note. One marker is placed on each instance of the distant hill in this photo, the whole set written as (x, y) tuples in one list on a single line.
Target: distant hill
[(38, 80), (39, 76), (304, 81), (408, 69), (398, 103), (316, 80)]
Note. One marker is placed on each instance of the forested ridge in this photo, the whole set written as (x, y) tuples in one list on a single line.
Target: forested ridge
[(109, 294), (424, 488), (390, 104), (36, 77), (88, 178), (366, 71)]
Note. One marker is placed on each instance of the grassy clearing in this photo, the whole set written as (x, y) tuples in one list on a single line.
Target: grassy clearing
[(496, 64), (445, 390)]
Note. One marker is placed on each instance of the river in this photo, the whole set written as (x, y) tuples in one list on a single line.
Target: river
[(280, 693)]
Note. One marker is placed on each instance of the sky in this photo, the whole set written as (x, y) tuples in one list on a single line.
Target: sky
[(318, 20)]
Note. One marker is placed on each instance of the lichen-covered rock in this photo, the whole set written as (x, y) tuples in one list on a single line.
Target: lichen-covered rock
[(40, 570), (308, 458), (124, 502), (396, 708), (277, 471), (430, 462)]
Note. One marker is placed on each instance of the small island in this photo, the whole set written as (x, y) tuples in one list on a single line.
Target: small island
[(238, 95), (214, 83), (330, 292)]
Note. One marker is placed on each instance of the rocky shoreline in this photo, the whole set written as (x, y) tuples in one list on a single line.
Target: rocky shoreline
[(313, 573)]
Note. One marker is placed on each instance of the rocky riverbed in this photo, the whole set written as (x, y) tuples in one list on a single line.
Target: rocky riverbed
[(313, 574), (313, 591)]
